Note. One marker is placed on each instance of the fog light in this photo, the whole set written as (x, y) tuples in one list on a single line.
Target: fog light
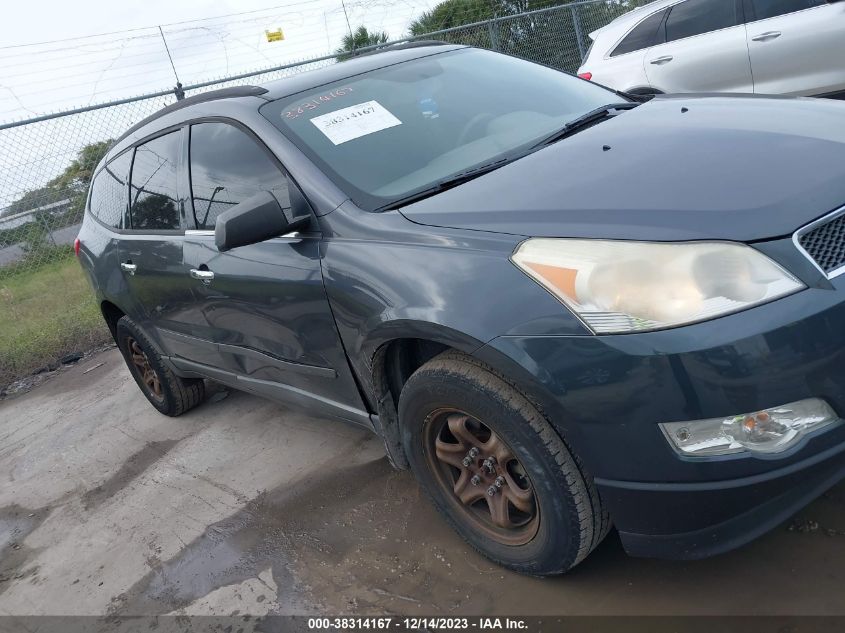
[(766, 431)]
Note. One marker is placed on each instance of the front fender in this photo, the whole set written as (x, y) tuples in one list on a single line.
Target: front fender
[(388, 278)]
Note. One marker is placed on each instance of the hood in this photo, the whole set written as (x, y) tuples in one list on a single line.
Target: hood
[(675, 168)]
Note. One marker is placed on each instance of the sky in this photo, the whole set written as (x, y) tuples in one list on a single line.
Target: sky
[(56, 55)]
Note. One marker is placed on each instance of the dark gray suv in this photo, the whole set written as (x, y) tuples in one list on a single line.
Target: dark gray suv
[(558, 306)]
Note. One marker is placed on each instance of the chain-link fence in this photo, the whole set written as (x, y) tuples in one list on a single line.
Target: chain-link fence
[(46, 164)]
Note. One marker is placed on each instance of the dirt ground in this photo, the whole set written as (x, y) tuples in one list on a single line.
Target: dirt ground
[(107, 507)]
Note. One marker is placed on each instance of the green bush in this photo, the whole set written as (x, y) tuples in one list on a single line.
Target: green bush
[(46, 312)]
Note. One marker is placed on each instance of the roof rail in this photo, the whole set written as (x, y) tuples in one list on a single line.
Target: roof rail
[(211, 95), (403, 46)]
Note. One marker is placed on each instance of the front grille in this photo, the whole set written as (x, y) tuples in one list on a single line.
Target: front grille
[(825, 243)]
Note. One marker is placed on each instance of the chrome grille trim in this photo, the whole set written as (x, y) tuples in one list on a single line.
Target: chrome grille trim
[(804, 230)]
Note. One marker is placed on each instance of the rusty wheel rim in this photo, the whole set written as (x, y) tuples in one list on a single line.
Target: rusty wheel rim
[(140, 364), (481, 476)]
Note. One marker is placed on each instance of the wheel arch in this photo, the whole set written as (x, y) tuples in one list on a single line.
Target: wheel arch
[(111, 314), (397, 358), (398, 349)]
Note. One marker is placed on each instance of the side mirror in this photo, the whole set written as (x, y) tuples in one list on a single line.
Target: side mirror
[(259, 218)]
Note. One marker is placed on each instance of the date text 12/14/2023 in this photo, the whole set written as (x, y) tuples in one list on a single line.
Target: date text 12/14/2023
[(417, 624)]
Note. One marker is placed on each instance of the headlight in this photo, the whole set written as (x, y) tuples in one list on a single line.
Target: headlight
[(766, 431), (619, 286)]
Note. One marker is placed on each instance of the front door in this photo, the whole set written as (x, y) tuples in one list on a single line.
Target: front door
[(263, 305), (796, 46)]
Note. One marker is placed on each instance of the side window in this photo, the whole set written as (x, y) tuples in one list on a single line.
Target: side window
[(154, 201), (228, 166), (109, 195), (644, 35), (694, 17), (772, 8)]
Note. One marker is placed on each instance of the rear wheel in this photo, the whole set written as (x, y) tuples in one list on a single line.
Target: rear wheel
[(166, 391), (496, 469)]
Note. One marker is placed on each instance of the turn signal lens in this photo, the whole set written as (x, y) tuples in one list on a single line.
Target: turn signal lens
[(622, 286), (766, 431)]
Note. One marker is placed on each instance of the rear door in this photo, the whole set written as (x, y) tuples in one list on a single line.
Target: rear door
[(623, 67), (263, 306), (107, 206), (796, 46), (704, 49), (150, 250)]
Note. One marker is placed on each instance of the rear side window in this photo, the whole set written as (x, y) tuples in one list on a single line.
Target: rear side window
[(695, 17), (763, 9), (154, 201), (227, 167), (646, 34), (109, 194)]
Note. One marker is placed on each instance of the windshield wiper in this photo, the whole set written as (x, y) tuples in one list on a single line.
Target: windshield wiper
[(585, 120), (450, 182), (591, 117)]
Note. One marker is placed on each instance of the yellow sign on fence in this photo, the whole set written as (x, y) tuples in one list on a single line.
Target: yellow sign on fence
[(274, 36)]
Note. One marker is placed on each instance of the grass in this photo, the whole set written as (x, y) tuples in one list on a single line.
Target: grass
[(46, 313)]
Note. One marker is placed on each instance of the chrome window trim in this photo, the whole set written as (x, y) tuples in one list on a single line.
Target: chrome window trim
[(205, 233), (809, 227)]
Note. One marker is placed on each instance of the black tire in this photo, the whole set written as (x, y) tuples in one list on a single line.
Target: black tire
[(171, 395), (570, 521)]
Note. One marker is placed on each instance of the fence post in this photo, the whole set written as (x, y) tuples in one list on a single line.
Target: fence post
[(579, 34), (43, 220), (493, 32)]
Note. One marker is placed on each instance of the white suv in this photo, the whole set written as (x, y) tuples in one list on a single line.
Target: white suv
[(792, 47)]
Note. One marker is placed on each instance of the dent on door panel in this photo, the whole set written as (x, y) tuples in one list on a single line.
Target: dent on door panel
[(266, 296), (268, 317)]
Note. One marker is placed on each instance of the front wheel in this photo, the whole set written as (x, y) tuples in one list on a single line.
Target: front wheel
[(496, 469)]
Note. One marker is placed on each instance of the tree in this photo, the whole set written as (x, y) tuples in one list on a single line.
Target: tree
[(451, 13), (512, 32), (361, 38), (72, 183), (549, 37), (78, 174), (455, 13)]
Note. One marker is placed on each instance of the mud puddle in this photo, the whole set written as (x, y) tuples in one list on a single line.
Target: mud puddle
[(362, 539)]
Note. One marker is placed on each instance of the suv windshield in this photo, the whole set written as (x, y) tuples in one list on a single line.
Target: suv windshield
[(389, 133)]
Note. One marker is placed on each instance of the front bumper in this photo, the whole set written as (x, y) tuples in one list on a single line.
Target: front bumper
[(696, 520), (606, 395)]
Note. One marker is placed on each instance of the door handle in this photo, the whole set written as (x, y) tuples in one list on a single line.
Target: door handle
[(128, 267), (204, 276), (765, 37), (662, 60)]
